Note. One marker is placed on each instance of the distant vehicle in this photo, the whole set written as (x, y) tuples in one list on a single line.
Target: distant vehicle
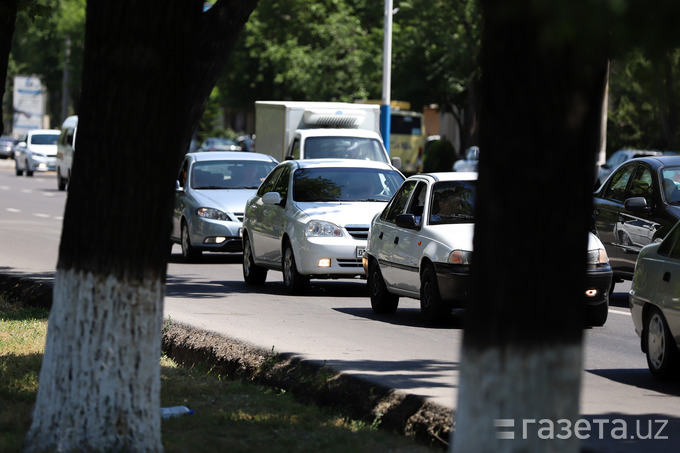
[(320, 130), (7, 144), (470, 162), (246, 142), (407, 139), (654, 304), (619, 157), (310, 219), (637, 205), (420, 246), (66, 146), (36, 151), (210, 198), (218, 144)]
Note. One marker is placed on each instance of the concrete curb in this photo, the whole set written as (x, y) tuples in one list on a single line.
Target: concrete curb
[(405, 414)]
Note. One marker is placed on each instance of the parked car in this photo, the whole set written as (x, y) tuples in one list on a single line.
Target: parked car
[(210, 198), (310, 219), (637, 205), (654, 304), (36, 151), (7, 144), (66, 146), (218, 144), (420, 246), (470, 162), (619, 157)]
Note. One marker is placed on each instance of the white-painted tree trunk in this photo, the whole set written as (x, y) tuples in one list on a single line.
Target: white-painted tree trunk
[(517, 390), (99, 387)]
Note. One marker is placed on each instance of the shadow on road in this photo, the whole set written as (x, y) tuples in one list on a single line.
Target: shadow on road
[(409, 317), (641, 378)]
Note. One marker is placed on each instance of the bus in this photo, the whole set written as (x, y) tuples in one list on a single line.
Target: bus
[(407, 139)]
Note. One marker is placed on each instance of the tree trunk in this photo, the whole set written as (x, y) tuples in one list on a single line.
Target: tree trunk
[(541, 101), (148, 70), (8, 15)]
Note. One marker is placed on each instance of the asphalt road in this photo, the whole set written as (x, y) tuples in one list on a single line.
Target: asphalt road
[(334, 324)]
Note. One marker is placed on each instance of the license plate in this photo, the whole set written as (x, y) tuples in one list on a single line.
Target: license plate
[(360, 252)]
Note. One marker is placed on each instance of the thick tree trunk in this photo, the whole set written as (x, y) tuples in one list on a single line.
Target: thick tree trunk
[(148, 70), (8, 15), (541, 101)]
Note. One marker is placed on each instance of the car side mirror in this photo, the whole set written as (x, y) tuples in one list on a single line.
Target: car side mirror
[(271, 198), (637, 204), (396, 162), (407, 221)]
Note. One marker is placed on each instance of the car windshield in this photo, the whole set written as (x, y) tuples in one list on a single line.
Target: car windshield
[(44, 139), (452, 202), (344, 148), (345, 184), (237, 174)]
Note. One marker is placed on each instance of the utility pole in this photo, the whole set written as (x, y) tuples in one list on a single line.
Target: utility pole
[(385, 109)]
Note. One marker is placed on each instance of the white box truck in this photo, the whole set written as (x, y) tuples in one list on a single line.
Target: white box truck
[(318, 130)]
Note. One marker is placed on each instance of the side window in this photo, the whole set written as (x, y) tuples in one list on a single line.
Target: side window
[(295, 149), (398, 204), (641, 186), (182, 177), (671, 244), (282, 185), (418, 201), (617, 186), (268, 184)]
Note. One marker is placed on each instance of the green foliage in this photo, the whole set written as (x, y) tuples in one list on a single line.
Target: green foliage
[(439, 156)]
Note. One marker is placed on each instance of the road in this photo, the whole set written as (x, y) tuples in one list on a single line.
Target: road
[(334, 324)]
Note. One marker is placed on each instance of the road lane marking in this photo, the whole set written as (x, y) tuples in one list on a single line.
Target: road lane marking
[(13, 210), (627, 313)]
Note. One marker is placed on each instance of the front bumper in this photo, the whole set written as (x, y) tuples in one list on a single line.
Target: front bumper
[(39, 163), (598, 284), (211, 235), (454, 283), (324, 257)]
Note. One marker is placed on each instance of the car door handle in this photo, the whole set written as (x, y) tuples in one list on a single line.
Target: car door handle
[(667, 276), (396, 240), (381, 235)]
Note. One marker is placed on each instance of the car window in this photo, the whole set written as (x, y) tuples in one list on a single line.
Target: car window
[(452, 202), (269, 182), (618, 182), (345, 184), (641, 185), (344, 148), (670, 246), (399, 202), (183, 172), (295, 149), (282, 184), (417, 205)]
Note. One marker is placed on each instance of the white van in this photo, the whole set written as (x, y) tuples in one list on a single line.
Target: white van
[(65, 148)]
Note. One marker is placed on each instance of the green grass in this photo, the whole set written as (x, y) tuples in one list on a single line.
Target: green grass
[(228, 415)]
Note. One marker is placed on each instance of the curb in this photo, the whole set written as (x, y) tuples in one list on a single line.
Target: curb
[(409, 415)]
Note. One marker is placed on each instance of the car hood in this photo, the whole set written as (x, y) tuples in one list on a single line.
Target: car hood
[(458, 236), (343, 213), (48, 150), (232, 200)]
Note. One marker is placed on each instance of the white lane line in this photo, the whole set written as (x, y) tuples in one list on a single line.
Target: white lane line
[(618, 312), (41, 215), (12, 210)]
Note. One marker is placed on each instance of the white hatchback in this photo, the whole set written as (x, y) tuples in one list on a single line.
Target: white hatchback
[(310, 219)]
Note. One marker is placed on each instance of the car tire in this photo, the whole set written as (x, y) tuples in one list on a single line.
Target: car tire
[(252, 273), (662, 353), (292, 279), (382, 301), (431, 304), (18, 171), (596, 315), (189, 253), (61, 182)]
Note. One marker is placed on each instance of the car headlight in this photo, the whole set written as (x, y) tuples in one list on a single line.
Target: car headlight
[(318, 228), (210, 213), (460, 257), (597, 257)]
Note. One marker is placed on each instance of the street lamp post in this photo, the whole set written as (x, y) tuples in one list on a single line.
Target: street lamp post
[(385, 109)]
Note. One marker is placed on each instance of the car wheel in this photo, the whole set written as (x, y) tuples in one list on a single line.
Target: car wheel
[(382, 301), (292, 279), (431, 304), (625, 239), (19, 172), (252, 273), (189, 253), (662, 353), (61, 182), (596, 315)]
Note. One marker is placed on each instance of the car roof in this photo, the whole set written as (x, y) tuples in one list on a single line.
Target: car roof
[(44, 131), (448, 176), (330, 132), (230, 155), (339, 163), (657, 161)]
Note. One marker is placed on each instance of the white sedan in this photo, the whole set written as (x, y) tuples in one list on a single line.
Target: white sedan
[(655, 304), (420, 246), (310, 219)]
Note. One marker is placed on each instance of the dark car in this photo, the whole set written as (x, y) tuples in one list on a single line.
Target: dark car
[(637, 205), (7, 144), (620, 157)]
